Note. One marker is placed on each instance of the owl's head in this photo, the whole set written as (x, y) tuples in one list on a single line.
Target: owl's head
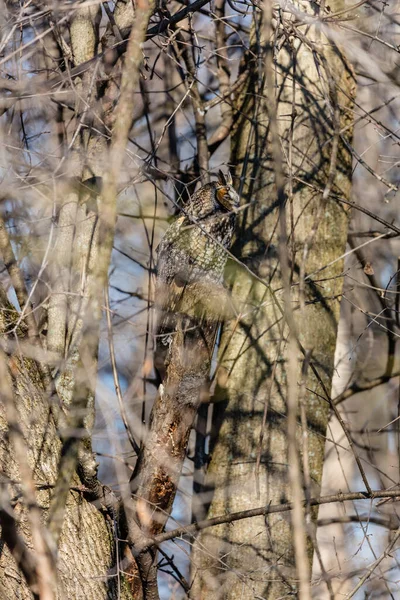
[(225, 193)]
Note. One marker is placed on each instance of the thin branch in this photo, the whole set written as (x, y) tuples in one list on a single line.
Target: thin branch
[(194, 528), (115, 375), (225, 89), (186, 51), (356, 387), (374, 565)]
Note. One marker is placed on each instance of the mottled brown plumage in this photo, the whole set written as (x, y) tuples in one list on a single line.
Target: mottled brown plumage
[(192, 251)]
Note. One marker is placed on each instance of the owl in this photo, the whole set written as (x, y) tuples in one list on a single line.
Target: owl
[(192, 251)]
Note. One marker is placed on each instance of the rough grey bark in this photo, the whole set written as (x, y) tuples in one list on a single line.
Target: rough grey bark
[(249, 465), (86, 550)]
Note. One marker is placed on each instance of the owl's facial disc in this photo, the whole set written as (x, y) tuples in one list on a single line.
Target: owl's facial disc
[(227, 197)]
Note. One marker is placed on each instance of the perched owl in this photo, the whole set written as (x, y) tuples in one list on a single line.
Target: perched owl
[(192, 250)]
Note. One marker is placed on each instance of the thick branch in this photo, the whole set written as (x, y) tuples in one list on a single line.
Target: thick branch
[(159, 466)]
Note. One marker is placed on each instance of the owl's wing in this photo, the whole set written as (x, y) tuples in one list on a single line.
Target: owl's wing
[(170, 252), (170, 235), (170, 263)]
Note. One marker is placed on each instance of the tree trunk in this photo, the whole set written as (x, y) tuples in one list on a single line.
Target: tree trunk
[(290, 121)]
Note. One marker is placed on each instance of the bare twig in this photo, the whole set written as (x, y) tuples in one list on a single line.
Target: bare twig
[(115, 375)]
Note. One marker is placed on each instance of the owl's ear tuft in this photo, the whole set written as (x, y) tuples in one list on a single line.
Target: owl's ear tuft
[(221, 178), (225, 179)]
